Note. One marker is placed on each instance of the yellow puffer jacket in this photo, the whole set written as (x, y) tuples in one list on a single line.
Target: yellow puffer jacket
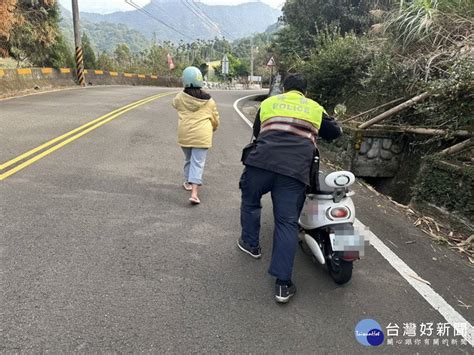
[(198, 118)]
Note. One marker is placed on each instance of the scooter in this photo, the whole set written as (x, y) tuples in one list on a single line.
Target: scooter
[(326, 224)]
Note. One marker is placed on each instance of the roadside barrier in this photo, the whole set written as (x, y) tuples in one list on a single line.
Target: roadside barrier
[(16, 80)]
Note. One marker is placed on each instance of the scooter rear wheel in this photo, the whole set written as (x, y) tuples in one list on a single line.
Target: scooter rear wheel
[(340, 270)]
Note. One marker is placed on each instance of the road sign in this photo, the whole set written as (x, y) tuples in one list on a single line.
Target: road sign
[(271, 62), (225, 65)]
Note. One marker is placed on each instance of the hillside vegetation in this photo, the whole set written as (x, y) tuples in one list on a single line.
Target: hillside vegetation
[(231, 22), (360, 54), (29, 32), (105, 36)]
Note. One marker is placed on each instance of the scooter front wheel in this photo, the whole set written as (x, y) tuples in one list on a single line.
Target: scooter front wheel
[(340, 270)]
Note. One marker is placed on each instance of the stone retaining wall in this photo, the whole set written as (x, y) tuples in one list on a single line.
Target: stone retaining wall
[(368, 153)]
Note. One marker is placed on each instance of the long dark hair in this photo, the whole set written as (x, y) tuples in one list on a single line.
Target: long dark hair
[(197, 93)]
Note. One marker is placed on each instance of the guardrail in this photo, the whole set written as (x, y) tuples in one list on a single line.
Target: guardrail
[(15, 80)]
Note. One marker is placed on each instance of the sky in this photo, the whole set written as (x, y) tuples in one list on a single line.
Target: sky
[(106, 6)]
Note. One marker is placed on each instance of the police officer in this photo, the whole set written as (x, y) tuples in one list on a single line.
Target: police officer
[(286, 128)]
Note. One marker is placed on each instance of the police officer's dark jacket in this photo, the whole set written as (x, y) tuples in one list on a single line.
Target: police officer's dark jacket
[(285, 128)]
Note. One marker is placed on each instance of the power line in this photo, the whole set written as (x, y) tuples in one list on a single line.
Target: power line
[(206, 16), (147, 13), (189, 4), (204, 21), (156, 6), (208, 19), (141, 9)]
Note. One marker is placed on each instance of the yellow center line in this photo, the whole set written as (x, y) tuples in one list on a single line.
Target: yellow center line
[(105, 119), (52, 141)]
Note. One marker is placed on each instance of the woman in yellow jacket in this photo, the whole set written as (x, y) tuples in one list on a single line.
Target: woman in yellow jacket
[(198, 119)]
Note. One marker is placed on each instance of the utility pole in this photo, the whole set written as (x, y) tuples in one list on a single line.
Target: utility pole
[(77, 39), (225, 67), (251, 61)]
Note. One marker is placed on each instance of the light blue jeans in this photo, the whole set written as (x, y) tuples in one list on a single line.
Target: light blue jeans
[(194, 161)]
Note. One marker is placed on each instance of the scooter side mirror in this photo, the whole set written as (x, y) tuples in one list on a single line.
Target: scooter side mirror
[(340, 179)]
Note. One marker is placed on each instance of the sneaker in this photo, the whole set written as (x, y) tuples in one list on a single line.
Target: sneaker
[(283, 293), (253, 252)]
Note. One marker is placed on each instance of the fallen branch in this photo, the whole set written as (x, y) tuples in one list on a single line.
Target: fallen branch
[(468, 241), (372, 109), (395, 110), (426, 131), (457, 147), (416, 277), (467, 306)]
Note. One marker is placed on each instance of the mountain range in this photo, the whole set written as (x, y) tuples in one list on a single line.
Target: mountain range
[(175, 20), (104, 36)]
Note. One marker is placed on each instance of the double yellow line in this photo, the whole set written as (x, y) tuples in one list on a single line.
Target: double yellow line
[(68, 138)]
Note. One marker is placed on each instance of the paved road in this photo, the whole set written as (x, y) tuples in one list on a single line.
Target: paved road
[(100, 250)]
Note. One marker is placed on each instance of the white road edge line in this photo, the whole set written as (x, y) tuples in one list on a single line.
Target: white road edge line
[(242, 116), (456, 320)]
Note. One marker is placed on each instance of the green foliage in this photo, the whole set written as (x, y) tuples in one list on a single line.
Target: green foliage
[(106, 62), (307, 16), (236, 68), (429, 23), (123, 56), (291, 49), (452, 104), (335, 67), (427, 46), (106, 36), (306, 19), (447, 186), (126, 50), (60, 55), (233, 21), (387, 78), (35, 32), (431, 41), (156, 59), (88, 52)]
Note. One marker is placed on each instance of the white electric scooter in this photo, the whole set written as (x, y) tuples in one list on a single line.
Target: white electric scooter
[(326, 225)]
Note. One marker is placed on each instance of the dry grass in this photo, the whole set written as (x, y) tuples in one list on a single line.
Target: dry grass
[(9, 63)]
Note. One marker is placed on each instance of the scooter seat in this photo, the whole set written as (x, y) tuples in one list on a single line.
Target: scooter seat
[(324, 189)]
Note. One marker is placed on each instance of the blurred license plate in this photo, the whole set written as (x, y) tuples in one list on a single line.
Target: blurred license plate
[(346, 242)]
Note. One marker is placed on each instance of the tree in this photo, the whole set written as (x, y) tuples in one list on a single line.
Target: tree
[(105, 62), (156, 59), (88, 52), (236, 68), (123, 56), (306, 18), (60, 55), (35, 31), (311, 15), (7, 20)]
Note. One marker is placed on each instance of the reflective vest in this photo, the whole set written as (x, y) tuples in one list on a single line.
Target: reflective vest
[(294, 105)]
